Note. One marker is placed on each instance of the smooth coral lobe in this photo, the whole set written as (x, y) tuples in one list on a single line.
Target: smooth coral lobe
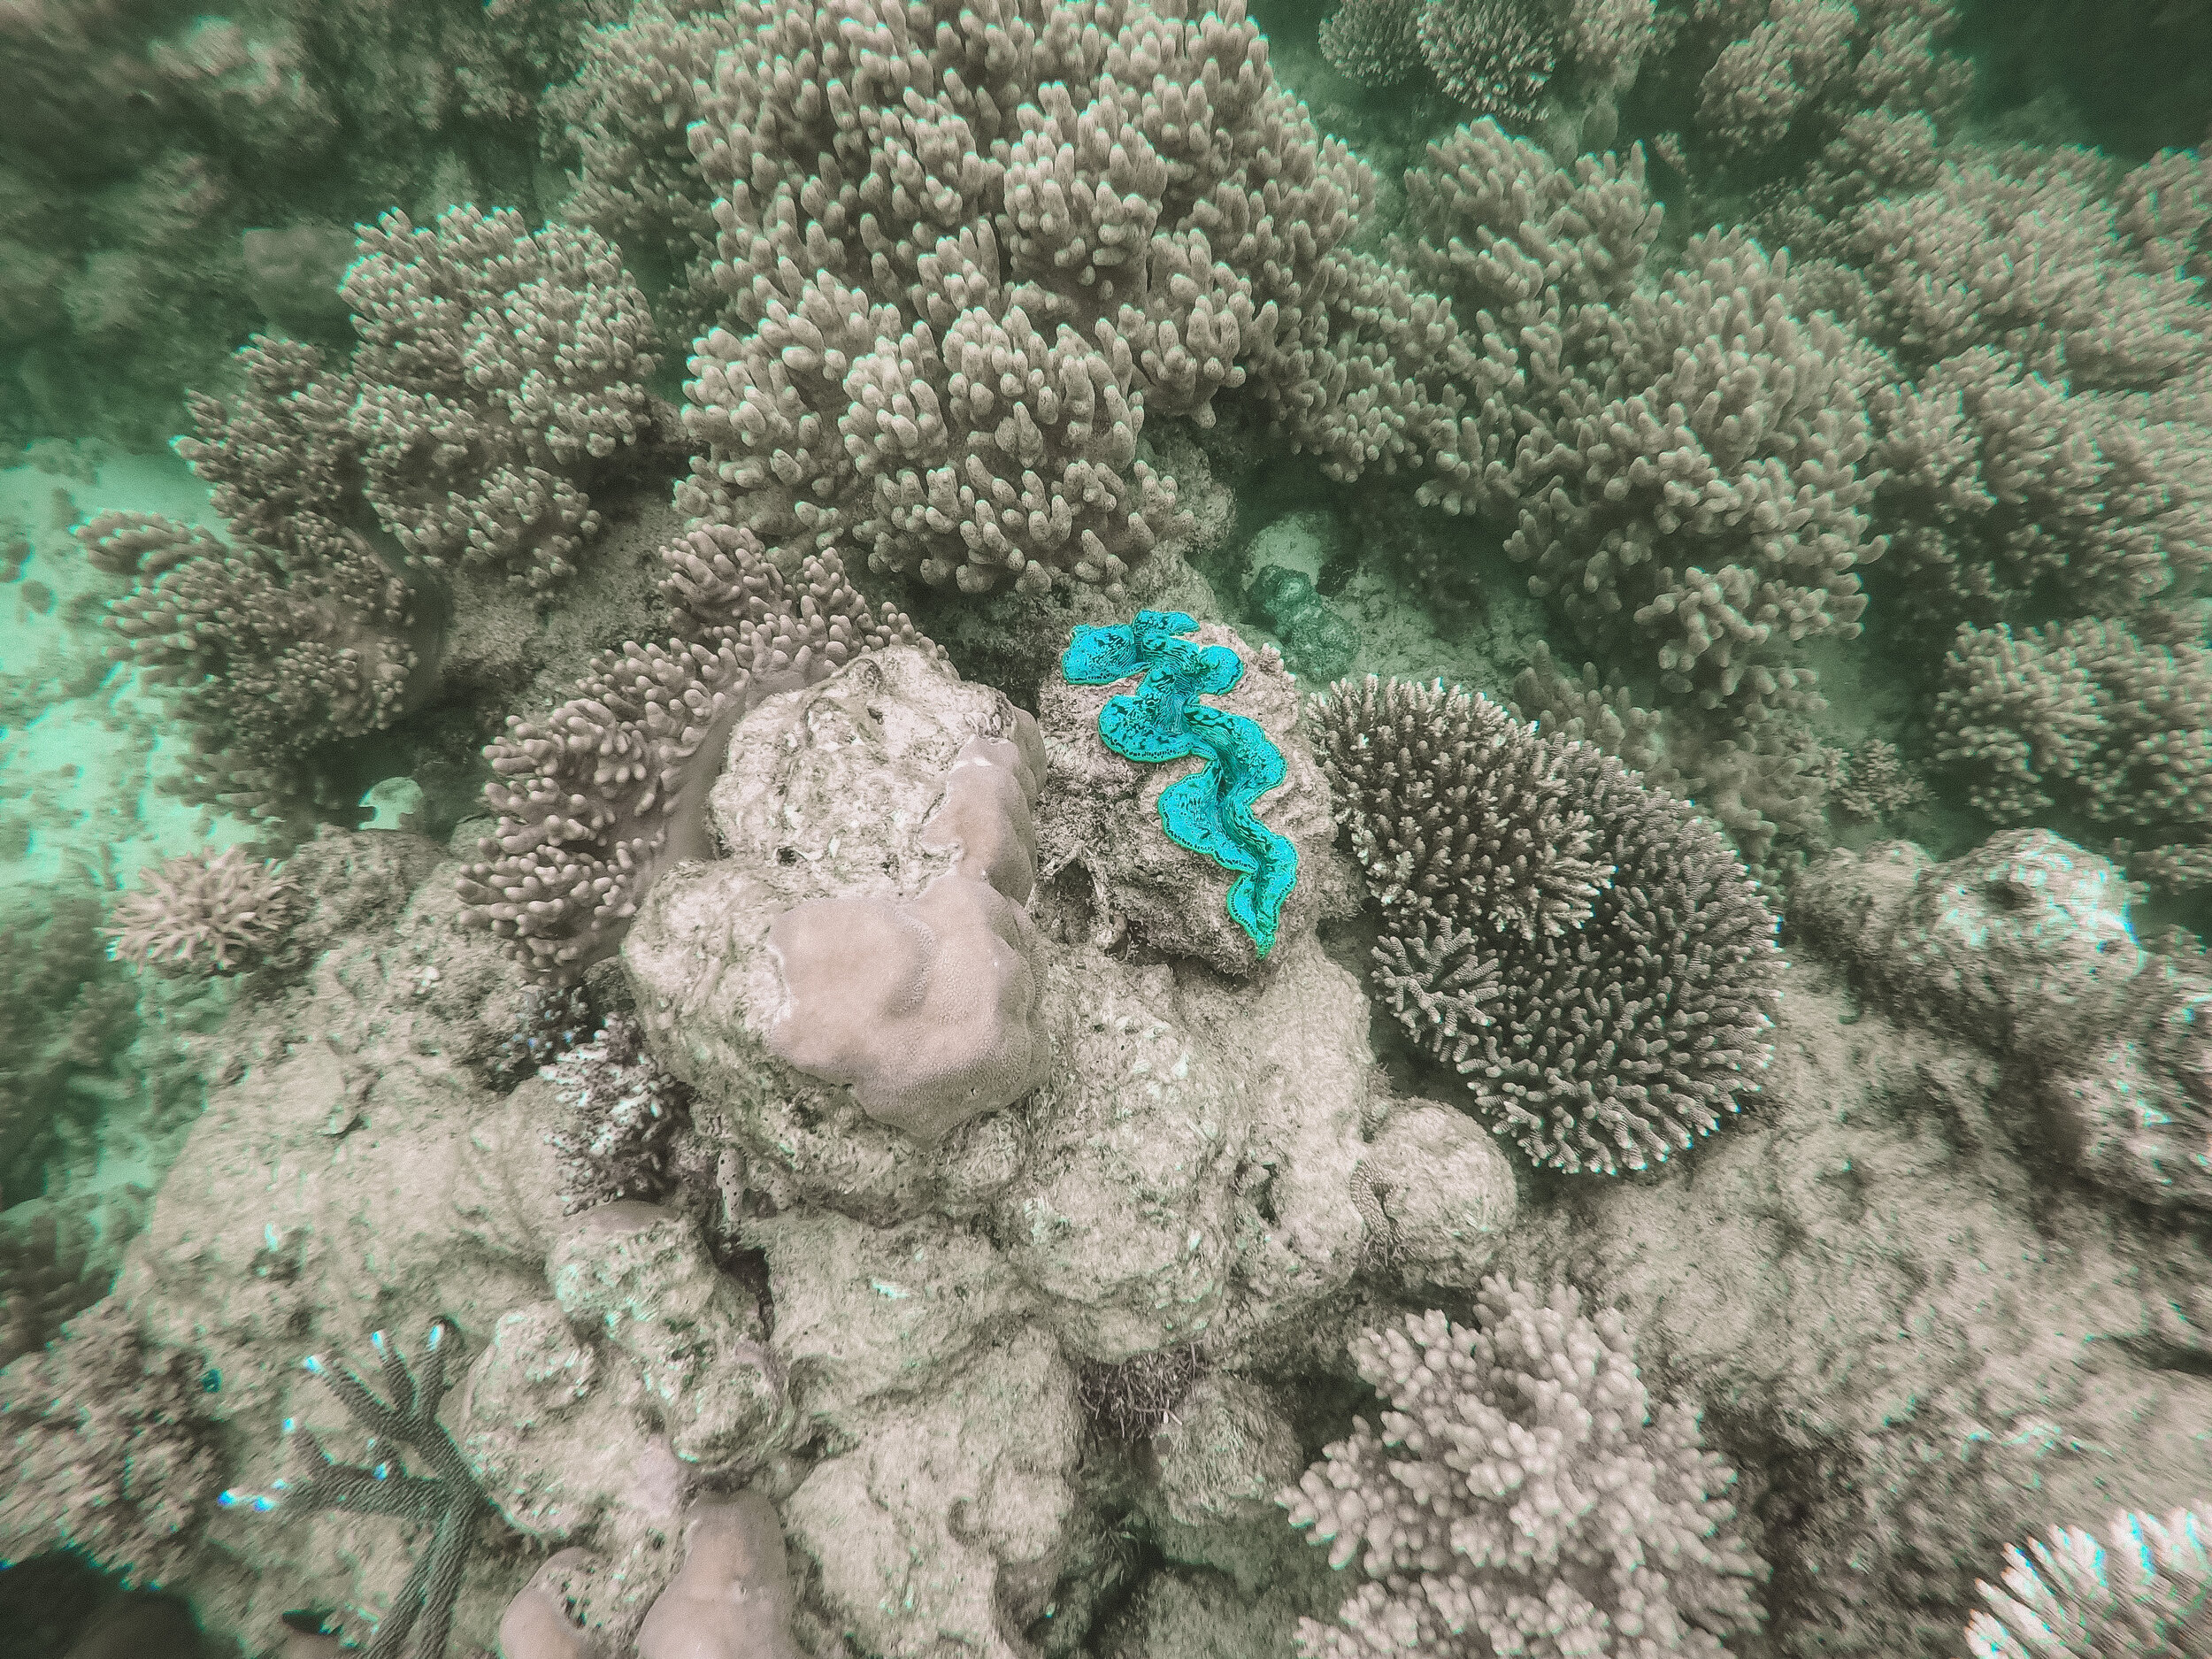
[(1210, 810)]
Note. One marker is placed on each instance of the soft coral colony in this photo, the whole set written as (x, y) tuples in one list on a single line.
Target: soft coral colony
[(879, 1096)]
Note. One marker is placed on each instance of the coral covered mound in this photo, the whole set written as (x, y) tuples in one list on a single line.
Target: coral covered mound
[(1210, 811), (611, 786), (2149, 1597), (968, 252), (1524, 1495), (204, 913)]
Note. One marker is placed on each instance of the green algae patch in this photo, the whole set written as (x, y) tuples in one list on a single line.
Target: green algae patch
[(1210, 810)]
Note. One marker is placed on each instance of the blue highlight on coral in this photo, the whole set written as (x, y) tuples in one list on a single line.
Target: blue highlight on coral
[(1210, 812)]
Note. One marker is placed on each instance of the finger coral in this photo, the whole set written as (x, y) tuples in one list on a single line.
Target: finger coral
[(204, 913), (1524, 1495), (496, 364), (967, 253), (1687, 470), (2090, 720)]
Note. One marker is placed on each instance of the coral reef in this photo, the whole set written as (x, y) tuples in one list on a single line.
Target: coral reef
[(1689, 471), (1122, 217), (111, 1451), (1456, 812), (171, 181), (1516, 61), (1207, 811), (2089, 721), (203, 913), (624, 1111), (496, 366), (2069, 1600), (2024, 946), (924, 1007), (1317, 643), (1542, 1503), (1586, 950)]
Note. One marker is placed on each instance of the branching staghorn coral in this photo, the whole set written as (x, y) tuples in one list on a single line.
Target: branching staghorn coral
[(2149, 1596), (203, 913), (1606, 1009), (611, 786), (1539, 1503), (1456, 812), (447, 1499), (1687, 470), (968, 252), (2089, 720)]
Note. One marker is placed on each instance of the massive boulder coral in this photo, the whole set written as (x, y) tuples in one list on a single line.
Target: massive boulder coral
[(1183, 1166), (967, 253)]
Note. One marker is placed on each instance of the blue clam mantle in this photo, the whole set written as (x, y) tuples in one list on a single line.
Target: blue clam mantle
[(1210, 810)]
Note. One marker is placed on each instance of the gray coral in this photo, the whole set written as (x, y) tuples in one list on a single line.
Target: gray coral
[(1589, 952), (622, 1111), (1524, 1495), (111, 1451), (1620, 1043), (203, 914)]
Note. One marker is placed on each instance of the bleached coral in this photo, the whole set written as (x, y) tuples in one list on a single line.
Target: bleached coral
[(1524, 1494), (2071, 1597)]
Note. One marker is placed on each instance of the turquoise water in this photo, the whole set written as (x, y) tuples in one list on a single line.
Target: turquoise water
[(499, 501)]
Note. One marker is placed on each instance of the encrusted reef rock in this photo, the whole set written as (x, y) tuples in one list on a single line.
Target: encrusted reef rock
[(2024, 947), (1141, 1156), (1913, 1313), (1102, 819)]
